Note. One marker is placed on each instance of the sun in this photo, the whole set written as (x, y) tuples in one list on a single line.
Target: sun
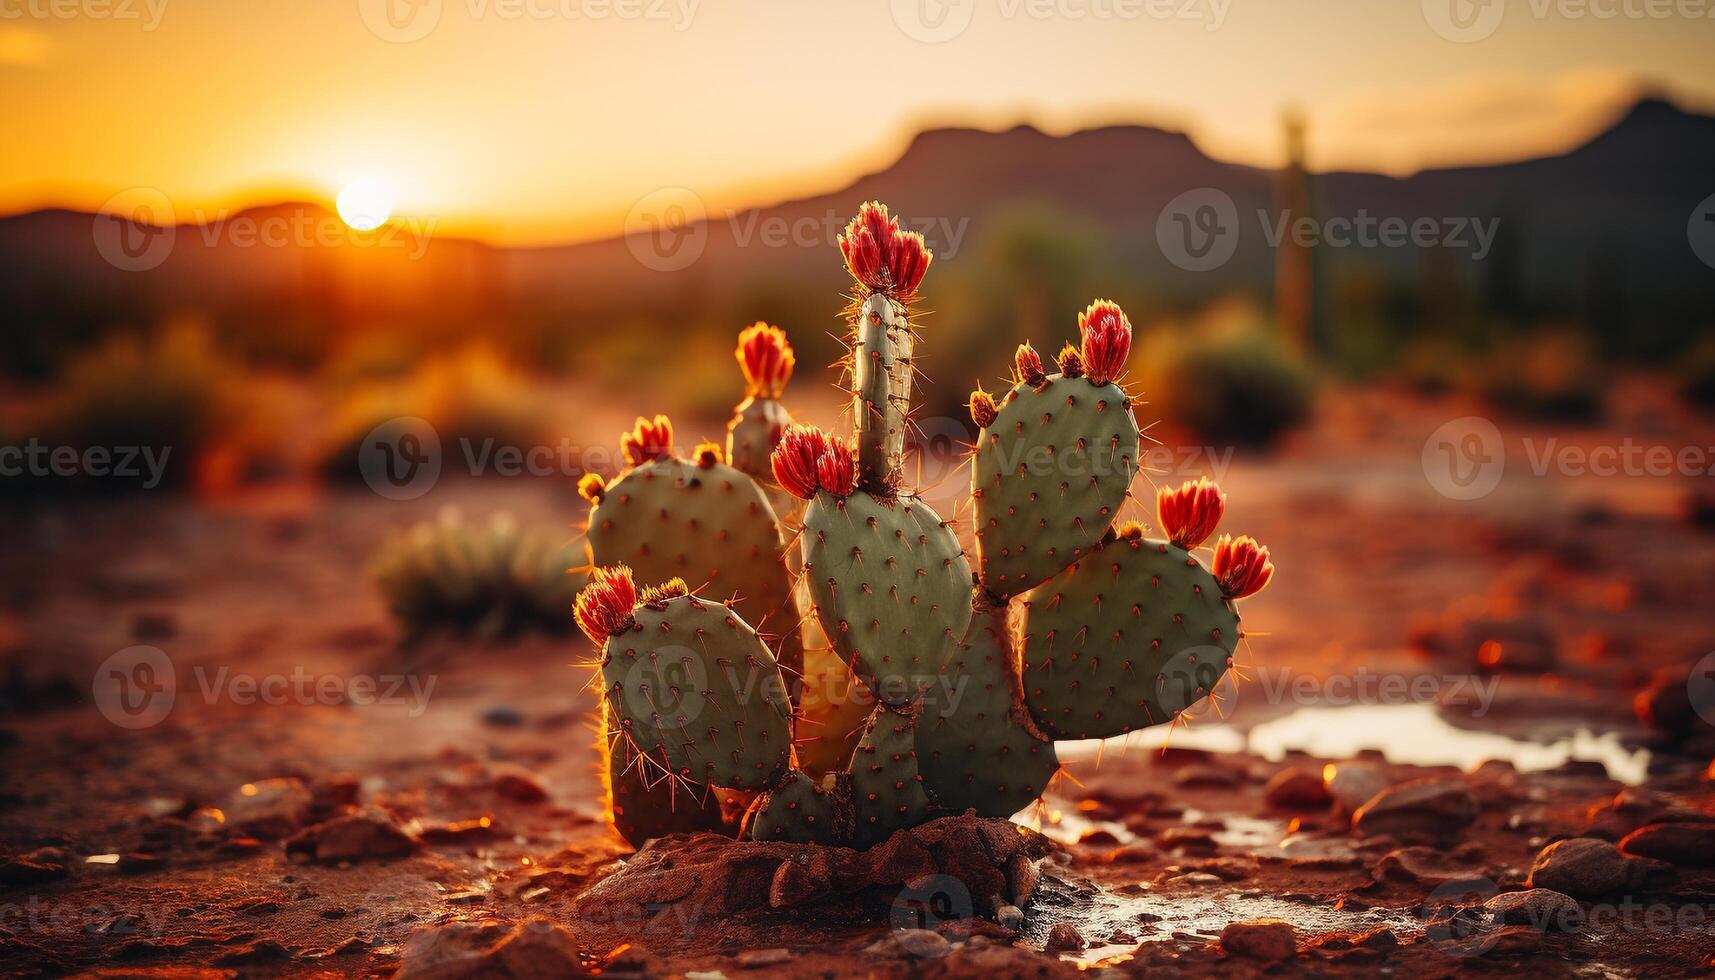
[(365, 203)]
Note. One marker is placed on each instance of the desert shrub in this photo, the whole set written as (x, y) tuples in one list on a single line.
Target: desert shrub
[(1697, 374), (1548, 375), (483, 580), (468, 396), (172, 389), (1241, 389)]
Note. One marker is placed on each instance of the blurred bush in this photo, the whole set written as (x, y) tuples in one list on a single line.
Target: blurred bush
[(468, 396), (486, 581), (1227, 379), (1550, 375), (170, 389)]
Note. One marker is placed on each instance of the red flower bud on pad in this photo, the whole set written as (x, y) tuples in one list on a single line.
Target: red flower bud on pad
[(1190, 514), (983, 410), (882, 257), (1241, 566), (767, 360), (604, 607), (648, 440), (1029, 365), (1107, 340), (797, 459)]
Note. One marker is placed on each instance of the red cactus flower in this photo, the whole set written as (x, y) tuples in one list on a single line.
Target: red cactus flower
[(983, 409), (1241, 566), (1190, 514), (1029, 365), (767, 360), (592, 487), (1071, 362), (1107, 340), (604, 607), (648, 440), (882, 257), (796, 459), (836, 469), (708, 454)]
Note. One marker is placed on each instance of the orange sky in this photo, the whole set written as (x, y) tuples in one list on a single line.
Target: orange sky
[(542, 120)]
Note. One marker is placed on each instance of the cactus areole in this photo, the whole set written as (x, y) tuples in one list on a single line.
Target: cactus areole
[(1061, 624)]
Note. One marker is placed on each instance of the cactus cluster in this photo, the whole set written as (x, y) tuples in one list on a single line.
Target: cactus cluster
[(1062, 623)]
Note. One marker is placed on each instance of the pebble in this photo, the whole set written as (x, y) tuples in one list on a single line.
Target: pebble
[(1064, 937), (1582, 867), (502, 716), (1541, 907), (1205, 774), (518, 783), (1425, 866), (751, 959), (1351, 784), (1296, 789), (1427, 807), (1675, 843), (368, 834), (922, 942), (1010, 916), (268, 807), (1270, 940)]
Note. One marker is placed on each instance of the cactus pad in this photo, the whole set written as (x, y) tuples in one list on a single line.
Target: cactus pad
[(711, 526), (1050, 474), (887, 790), (1134, 633), (891, 588), (697, 693), (642, 809), (801, 811), (974, 746)]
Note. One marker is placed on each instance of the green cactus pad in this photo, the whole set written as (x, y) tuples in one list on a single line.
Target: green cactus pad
[(1131, 635), (699, 694), (643, 809), (974, 750), (891, 588), (755, 428), (1050, 474), (801, 811), (887, 790), (711, 526)]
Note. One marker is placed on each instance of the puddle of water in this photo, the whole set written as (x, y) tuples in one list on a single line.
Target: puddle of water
[(1406, 733)]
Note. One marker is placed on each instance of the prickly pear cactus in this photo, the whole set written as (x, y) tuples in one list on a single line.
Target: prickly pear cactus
[(1075, 627)]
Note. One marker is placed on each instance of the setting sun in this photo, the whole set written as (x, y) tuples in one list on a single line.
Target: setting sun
[(365, 204)]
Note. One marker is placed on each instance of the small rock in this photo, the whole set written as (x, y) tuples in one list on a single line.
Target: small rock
[(1425, 866), (502, 716), (21, 871), (517, 783), (368, 834), (1064, 938), (1010, 916), (1270, 940), (1185, 839), (1296, 789), (751, 959), (1022, 877), (1540, 907), (1420, 808), (922, 942), (1352, 784), (1676, 843), (793, 885), (632, 960), (1582, 867), (269, 808), (1205, 774), (536, 948)]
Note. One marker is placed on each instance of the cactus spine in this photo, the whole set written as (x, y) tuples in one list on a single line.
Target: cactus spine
[(1071, 626)]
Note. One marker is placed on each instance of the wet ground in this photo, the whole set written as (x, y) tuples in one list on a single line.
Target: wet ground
[(311, 798)]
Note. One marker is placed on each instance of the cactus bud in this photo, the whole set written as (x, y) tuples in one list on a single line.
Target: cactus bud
[(983, 409), (1030, 366), (836, 469), (1107, 340), (592, 487), (880, 256), (648, 440), (767, 360), (654, 595), (1190, 514), (707, 454), (1241, 566), (1129, 531), (605, 605), (797, 458), (1071, 362)]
